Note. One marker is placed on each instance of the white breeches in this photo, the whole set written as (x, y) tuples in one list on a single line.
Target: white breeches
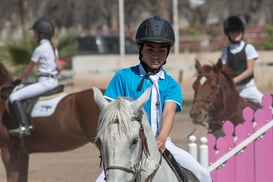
[(44, 84), (186, 160), (250, 92)]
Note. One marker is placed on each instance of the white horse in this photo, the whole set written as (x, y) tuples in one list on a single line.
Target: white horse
[(126, 142)]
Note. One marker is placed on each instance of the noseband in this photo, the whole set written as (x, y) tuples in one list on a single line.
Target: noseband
[(143, 148)]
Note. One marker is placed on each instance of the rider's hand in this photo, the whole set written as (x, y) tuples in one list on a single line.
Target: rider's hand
[(16, 82), (161, 143)]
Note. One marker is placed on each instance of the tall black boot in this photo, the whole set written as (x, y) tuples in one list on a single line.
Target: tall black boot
[(21, 117)]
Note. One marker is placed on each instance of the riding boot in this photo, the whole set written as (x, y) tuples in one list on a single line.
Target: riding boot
[(21, 117)]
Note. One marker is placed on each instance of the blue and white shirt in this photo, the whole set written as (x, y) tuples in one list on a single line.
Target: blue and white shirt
[(126, 81)]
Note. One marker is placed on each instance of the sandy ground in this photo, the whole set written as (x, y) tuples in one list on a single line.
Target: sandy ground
[(82, 164)]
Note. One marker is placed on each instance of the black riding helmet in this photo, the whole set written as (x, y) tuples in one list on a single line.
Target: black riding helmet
[(155, 30), (43, 26), (233, 24)]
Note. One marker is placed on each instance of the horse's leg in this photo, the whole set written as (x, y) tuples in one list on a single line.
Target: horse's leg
[(16, 164)]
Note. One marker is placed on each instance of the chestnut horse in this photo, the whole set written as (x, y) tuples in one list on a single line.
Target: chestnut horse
[(215, 98), (71, 125)]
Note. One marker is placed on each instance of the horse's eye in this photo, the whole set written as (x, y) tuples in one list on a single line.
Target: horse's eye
[(134, 142), (214, 84)]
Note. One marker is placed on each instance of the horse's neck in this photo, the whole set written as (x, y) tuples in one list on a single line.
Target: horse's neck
[(232, 107), (232, 112), (242, 104), (151, 141), (155, 163), (154, 157)]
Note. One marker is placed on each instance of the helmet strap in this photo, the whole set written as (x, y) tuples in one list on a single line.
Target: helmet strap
[(235, 42), (148, 69), (39, 37), (145, 66)]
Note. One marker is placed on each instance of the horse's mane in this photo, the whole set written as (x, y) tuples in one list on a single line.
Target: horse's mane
[(224, 71), (117, 112), (4, 74), (227, 74)]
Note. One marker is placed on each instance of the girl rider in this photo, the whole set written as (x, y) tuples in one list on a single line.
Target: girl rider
[(240, 57), (45, 57)]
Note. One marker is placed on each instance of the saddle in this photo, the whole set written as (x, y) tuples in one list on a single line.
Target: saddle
[(29, 103), (182, 174), (253, 104)]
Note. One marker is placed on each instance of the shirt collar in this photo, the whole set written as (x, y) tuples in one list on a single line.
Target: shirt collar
[(43, 41), (235, 48), (160, 74)]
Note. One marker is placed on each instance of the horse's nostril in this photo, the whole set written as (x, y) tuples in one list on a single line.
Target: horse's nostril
[(194, 114)]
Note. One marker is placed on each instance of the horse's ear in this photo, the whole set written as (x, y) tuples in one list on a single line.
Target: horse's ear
[(99, 98), (197, 66), (219, 65), (139, 102)]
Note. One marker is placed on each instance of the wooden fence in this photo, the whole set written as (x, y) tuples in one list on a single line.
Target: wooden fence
[(246, 156)]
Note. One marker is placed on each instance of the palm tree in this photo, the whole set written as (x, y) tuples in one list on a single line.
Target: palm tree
[(17, 53)]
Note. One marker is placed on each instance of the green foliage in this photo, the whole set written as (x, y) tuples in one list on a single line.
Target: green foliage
[(67, 47), (214, 31), (197, 29), (18, 52), (268, 43)]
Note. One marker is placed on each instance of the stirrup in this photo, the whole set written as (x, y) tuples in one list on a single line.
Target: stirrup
[(21, 131)]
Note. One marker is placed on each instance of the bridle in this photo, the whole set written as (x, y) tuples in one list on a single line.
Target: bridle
[(203, 101), (210, 106), (143, 149)]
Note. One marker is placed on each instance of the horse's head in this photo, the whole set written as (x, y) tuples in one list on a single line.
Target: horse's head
[(121, 137), (212, 92)]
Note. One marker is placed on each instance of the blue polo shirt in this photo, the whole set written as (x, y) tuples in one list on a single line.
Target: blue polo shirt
[(126, 81)]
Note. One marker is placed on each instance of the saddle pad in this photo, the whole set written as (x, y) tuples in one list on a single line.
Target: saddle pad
[(45, 107)]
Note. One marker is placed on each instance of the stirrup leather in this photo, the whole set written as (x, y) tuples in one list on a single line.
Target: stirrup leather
[(21, 131)]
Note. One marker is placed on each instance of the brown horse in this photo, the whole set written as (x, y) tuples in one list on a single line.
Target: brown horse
[(72, 124), (216, 98)]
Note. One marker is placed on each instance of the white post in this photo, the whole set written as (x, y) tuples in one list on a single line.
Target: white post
[(192, 146), (121, 28), (175, 26), (203, 152)]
